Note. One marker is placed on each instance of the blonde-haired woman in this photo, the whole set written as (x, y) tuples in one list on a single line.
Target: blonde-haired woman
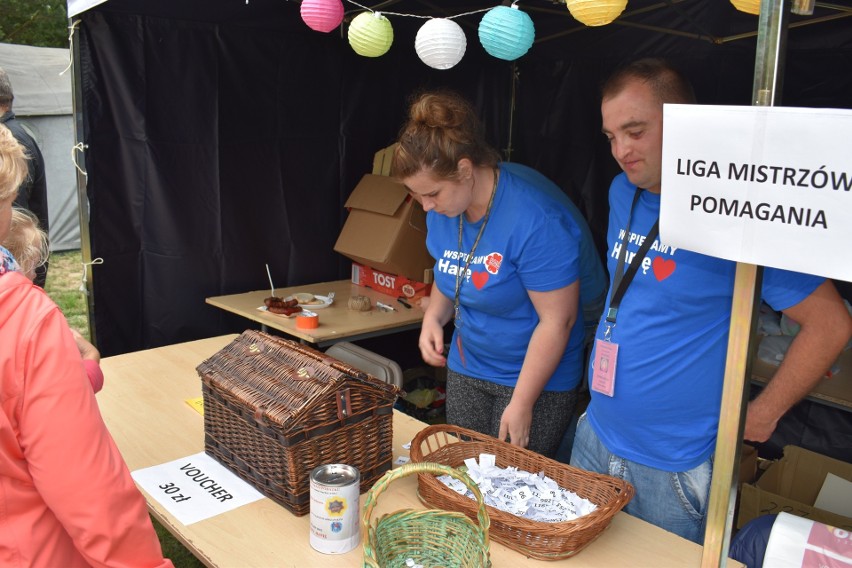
[(28, 245), (26, 241), (66, 493)]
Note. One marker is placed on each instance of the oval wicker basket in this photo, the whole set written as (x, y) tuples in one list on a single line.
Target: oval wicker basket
[(429, 537), (451, 445)]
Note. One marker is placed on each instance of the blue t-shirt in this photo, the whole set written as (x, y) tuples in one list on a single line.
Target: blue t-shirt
[(593, 280), (672, 334), (530, 243)]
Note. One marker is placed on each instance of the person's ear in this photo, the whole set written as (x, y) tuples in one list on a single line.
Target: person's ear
[(465, 169)]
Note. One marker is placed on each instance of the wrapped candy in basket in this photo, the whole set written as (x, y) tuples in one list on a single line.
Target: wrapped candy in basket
[(452, 445)]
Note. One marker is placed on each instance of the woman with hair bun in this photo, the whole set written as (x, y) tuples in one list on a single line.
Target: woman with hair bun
[(506, 272)]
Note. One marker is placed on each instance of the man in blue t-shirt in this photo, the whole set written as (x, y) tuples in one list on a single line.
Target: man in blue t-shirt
[(657, 372)]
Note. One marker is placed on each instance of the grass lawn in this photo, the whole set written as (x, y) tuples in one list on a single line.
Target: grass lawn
[(64, 277)]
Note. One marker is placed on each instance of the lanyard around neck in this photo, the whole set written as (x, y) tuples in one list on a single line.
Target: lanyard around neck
[(460, 276), (622, 280)]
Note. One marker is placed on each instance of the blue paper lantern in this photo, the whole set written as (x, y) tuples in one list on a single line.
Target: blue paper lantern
[(506, 32)]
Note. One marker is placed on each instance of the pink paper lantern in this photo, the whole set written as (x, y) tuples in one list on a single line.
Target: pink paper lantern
[(322, 15)]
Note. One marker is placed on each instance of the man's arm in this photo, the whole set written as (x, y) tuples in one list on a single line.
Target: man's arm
[(825, 329)]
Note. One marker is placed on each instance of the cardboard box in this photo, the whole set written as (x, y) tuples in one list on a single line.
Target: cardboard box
[(386, 229), (390, 284), (791, 485)]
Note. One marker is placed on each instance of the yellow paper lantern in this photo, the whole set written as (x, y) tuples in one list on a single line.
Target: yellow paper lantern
[(596, 12), (747, 6), (370, 34)]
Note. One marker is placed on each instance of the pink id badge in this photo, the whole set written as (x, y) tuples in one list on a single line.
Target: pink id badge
[(603, 373)]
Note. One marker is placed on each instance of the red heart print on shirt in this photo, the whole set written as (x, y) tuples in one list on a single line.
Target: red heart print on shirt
[(479, 279), (663, 267)]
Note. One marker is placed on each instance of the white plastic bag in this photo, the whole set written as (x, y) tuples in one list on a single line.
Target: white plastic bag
[(796, 542)]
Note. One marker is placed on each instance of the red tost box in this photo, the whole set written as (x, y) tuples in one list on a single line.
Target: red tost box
[(391, 284)]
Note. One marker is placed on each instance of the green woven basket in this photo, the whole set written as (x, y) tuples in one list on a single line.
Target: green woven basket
[(430, 537)]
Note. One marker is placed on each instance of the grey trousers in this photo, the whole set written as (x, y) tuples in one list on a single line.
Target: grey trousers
[(478, 405)]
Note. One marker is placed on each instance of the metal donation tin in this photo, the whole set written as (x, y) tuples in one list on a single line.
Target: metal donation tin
[(335, 518)]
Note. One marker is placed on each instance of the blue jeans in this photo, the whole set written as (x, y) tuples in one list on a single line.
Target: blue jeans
[(674, 501)]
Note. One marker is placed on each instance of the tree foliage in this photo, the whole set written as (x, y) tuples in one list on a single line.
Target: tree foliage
[(34, 22)]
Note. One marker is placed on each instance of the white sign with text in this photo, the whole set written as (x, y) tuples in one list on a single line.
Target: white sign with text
[(195, 488), (770, 186)]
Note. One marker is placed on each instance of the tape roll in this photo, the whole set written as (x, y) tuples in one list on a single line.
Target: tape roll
[(307, 321)]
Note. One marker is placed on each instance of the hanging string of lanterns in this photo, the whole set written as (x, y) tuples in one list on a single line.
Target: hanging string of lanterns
[(505, 32)]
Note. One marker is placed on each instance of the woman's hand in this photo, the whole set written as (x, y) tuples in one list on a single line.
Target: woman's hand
[(87, 350), (557, 311), (439, 310), (432, 344), (515, 423)]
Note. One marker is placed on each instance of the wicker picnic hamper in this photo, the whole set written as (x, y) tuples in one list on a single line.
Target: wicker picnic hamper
[(275, 409), (430, 538), (451, 445)]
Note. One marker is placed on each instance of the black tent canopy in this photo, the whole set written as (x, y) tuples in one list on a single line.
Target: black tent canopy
[(223, 135)]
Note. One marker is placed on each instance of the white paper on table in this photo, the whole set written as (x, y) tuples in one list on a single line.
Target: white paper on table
[(195, 488), (835, 496)]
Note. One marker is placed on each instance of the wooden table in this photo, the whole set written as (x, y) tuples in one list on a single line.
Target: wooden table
[(336, 322), (833, 391), (143, 404)]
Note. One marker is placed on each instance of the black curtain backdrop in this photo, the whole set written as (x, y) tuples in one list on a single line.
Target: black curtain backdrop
[(223, 135)]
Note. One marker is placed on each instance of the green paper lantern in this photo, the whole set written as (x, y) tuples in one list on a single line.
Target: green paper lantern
[(370, 34)]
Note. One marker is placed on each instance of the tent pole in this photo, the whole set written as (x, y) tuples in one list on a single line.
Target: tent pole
[(771, 42), (80, 162)]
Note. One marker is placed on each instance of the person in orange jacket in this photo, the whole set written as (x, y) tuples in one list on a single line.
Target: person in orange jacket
[(66, 496), (28, 244)]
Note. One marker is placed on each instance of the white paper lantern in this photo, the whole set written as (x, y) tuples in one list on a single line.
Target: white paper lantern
[(370, 34), (440, 43), (747, 6), (322, 15), (596, 12)]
